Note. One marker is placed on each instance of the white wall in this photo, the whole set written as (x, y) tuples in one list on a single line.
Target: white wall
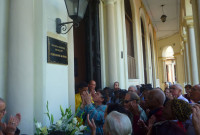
[(56, 76), (20, 63), (31, 80), (57, 85), (3, 46)]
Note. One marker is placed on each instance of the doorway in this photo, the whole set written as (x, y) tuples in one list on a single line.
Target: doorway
[(87, 60)]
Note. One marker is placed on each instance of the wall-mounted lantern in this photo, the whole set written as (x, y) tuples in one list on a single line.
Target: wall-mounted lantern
[(76, 10)]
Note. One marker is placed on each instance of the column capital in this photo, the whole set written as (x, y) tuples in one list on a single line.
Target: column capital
[(177, 54), (184, 37), (182, 45), (189, 21), (106, 2), (162, 58)]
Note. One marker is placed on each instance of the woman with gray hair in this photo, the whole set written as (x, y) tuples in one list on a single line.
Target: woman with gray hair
[(115, 124)]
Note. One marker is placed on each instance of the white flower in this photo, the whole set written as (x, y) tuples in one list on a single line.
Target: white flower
[(59, 123), (74, 121), (78, 133), (82, 128), (70, 127), (38, 125), (65, 117)]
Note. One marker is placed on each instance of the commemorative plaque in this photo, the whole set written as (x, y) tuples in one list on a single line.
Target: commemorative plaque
[(56, 51)]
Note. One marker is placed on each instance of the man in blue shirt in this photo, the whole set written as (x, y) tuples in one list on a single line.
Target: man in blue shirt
[(96, 110)]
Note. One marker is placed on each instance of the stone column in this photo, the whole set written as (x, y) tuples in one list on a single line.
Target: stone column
[(185, 63), (120, 29), (173, 72), (20, 93), (196, 17), (111, 41), (164, 70), (193, 54), (4, 8), (169, 75), (188, 61)]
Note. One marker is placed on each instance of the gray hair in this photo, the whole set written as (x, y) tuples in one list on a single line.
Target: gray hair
[(134, 96), (133, 87), (118, 124), (177, 85)]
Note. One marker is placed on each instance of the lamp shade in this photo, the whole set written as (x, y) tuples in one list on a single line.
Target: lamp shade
[(76, 9), (163, 18)]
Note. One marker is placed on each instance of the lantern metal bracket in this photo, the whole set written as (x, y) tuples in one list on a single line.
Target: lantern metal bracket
[(63, 26)]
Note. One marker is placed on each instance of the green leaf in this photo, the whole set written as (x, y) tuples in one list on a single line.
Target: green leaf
[(35, 121), (48, 115), (47, 106), (52, 119), (62, 111), (73, 132)]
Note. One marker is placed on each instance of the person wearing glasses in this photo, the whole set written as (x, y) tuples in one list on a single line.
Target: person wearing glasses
[(96, 110), (176, 91), (9, 128), (131, 103)]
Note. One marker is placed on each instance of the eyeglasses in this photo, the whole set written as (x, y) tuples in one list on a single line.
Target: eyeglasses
[(127, 101)]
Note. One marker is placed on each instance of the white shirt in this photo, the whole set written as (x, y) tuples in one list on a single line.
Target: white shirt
[(182, 98)]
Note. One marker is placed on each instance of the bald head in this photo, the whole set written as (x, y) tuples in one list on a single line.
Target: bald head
[(195, 93), (155, 99), (158, 95), (197, 87)]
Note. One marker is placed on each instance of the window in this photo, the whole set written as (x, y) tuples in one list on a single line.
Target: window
[(130, 44)]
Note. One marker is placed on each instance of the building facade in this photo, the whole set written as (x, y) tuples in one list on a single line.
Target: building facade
[(116, 41)]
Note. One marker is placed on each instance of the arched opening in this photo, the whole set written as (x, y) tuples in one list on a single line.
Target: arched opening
[(152, 57), (130, 41), (170, 64), (144, 51)]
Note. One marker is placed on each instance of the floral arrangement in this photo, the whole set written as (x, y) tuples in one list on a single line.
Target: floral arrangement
[(66, 125)]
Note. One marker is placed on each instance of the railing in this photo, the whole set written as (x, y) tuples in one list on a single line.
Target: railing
[(131, 68)]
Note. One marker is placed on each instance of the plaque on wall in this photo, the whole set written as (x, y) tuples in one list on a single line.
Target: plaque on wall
[(56, 51)]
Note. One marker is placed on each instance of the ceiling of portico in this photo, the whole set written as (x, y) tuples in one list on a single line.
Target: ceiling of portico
[(171, 9)]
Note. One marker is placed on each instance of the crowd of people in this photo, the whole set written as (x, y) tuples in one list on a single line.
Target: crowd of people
[(140, 110)]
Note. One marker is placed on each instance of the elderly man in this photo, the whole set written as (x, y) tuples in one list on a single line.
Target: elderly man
[(154, 102), (132, 88), (176, 91), (131, 103), (96, 110), (10, 127), (195, 93)]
